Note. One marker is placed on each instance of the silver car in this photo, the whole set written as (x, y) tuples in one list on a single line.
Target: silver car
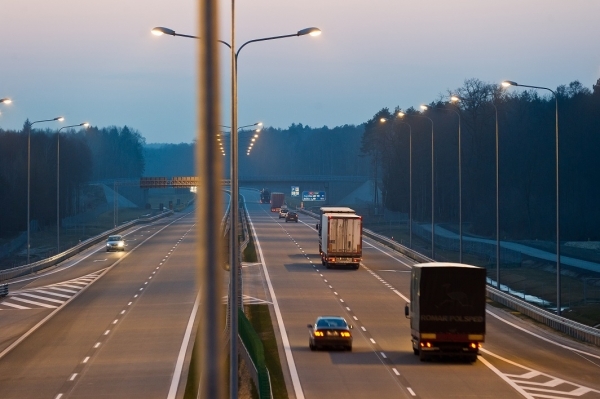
[(115, 243)]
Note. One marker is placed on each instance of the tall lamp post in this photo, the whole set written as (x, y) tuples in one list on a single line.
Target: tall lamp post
[(233, 213), (59, 119), (425, 108), (454, 100), (58, 181), (508, 83), (497, 202), (401, 115)]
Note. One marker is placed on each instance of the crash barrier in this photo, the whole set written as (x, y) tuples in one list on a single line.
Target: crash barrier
[(566, 326), (4, 290), (572, 328), (254, 353), (56, 259)]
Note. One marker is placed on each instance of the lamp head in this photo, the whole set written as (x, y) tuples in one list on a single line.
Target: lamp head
[(259, 124), (382, 120), (424, 107), (256, 136), (159, 31), (455, 99), (85, 125), (59, 118), (401, 114), (507, 83), (5, 101), (309, 31)]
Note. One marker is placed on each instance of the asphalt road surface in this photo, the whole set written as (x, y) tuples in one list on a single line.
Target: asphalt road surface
[(518, 359), (119, 323)]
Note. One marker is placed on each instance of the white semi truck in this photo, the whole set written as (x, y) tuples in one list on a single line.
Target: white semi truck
[(340, 241)]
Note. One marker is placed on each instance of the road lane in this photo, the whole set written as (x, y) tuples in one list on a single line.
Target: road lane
[(371, 295), (129, 358)]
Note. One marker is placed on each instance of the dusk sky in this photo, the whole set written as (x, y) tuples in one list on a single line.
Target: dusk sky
[(97, 61)]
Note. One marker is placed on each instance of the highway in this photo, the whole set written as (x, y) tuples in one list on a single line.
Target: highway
[(118, 319), (519, 359)]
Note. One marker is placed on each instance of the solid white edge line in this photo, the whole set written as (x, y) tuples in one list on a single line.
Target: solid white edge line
[(505, 378), (284, 338), (184, 344), (55, 311)]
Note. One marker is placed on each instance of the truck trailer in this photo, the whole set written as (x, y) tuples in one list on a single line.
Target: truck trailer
[(340, 242), (332, 209), (277, 200), (447, 310)]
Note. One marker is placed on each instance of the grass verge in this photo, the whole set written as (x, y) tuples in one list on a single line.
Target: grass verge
[(260, 318)]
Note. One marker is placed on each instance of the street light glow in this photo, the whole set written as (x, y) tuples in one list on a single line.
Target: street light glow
[(59, 118), (5, 101), (507, 83), (424, 107), (454, 99), (85, 124), (159, 31), (309, 31), (383, 120), (256, 135), (401, 114)]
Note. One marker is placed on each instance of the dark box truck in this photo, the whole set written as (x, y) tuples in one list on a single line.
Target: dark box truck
[(447, 310), (277, 200)]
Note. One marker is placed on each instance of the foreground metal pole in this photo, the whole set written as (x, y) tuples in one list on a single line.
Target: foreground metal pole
[(233, 230), (209, 353)]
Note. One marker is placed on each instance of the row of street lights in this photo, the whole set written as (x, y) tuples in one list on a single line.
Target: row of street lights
[(57, 119), (233, 213), (455, 99)]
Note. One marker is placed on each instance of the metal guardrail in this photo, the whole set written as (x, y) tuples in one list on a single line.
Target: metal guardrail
[(572, 328), (45, 263), (255, 351), (4, 290)]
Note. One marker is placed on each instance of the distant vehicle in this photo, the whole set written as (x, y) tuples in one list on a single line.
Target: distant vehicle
[(340, 242), (277, 200), (115, 243), (447, 310), (330, 331), (332, 209), (291, 216), (265, 196), (282, 212)]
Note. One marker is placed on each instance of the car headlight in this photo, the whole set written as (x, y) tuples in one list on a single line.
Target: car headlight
[(121, 243), (107, 244)]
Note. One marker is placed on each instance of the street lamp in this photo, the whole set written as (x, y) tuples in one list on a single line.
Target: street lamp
[(454, 100), (425, 108), (5, 101), (85, 124), (508, 83), (59, 119), (233, 211), (402, 115)]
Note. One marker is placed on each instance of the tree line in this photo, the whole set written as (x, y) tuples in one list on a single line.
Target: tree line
[(85, 155), (527, 160), (302, 150)]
